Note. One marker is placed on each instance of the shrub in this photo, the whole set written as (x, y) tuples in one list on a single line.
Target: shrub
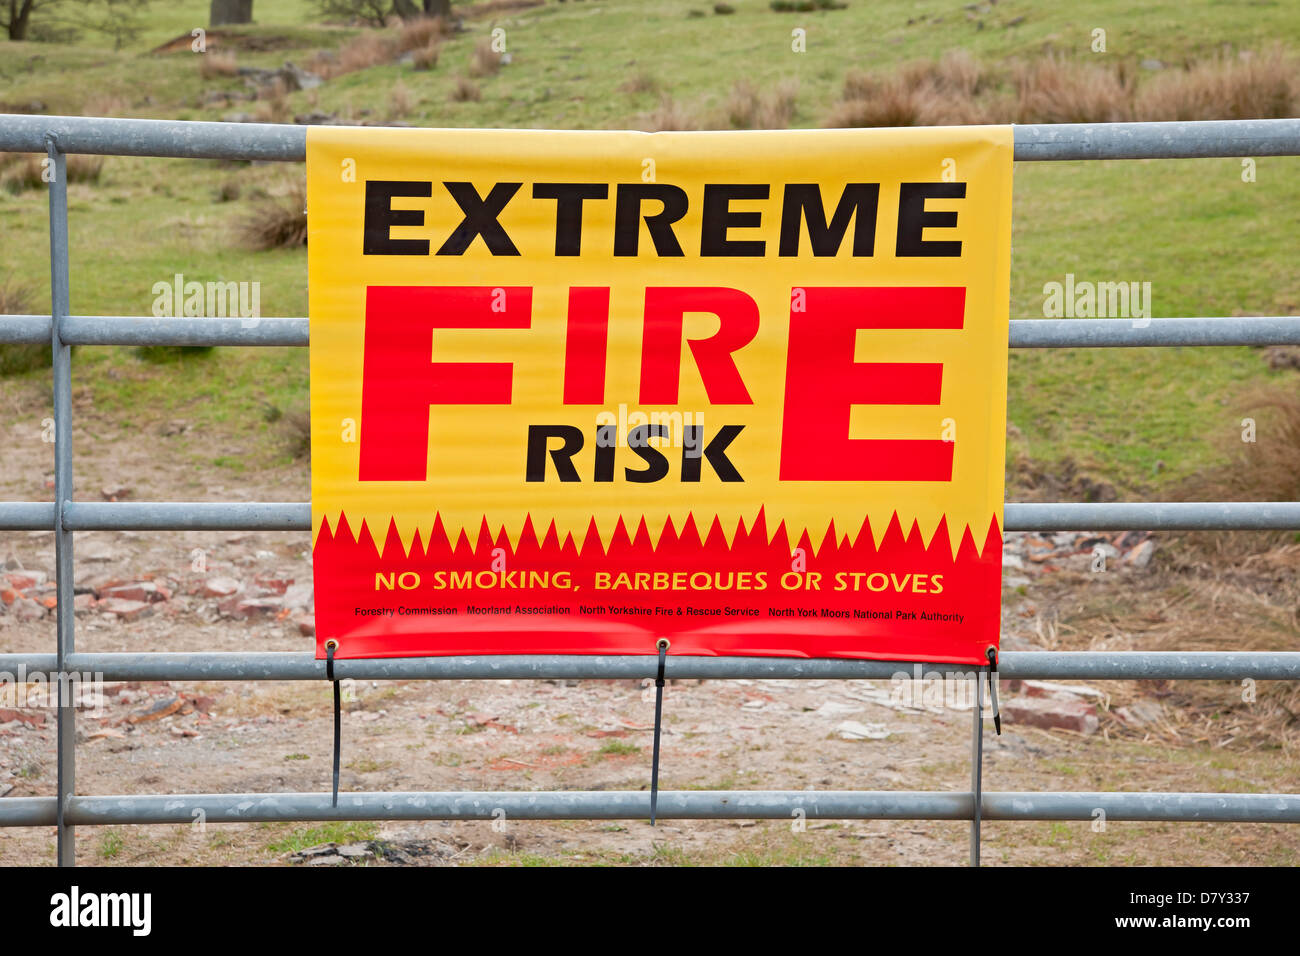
[(1055, 90), (747, 108), (871, 101), (668, 115), (400, 101), (421, 33), (16, 299), (484, 61), (1258, 86), (27, 170), (214, 66), (277, 223), (643, 82), (425, 58), (465, 90)]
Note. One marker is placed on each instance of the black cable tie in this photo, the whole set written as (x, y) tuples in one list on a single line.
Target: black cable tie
[(993, 689), (330, 648), (659, 713)]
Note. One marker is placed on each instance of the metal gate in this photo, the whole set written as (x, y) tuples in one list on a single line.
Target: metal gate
[(58, 136)]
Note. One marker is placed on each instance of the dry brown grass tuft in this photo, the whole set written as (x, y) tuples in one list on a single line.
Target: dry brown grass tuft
[(105, 104), (872, 101), (643, 82), (484, 61), (465, 90), (1267, 469), (16, 299), (84, 169), (24, 171), (1248, 86), (420, 33), (400, 101), (426, 57), (277, 222), (957, 90), (361, 52), (748, 108), (744, 105), (273, 105), (295, 425), (1056, 90), (668, 115), (213, 66)]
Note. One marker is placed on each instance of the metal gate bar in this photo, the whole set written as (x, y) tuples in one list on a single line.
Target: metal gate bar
[(289, 665), (673, 804), (57, 136)]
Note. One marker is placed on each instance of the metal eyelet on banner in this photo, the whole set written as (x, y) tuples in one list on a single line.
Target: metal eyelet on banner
[(661, 646), (331, 647), (992, 654)]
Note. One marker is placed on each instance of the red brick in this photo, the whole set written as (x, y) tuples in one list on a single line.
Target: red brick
[(124, 609), (1052, 713)]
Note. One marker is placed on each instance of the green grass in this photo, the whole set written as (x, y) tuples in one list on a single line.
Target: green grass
[(110, 844), (1138, 418), (618, 748), (303, 837)]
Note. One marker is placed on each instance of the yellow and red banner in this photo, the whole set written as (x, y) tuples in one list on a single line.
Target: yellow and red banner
[(572, 392)]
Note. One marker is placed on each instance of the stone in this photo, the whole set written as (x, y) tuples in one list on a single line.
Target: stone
[(853, 730), (219, 587), (269, 584), (1140, 713), (1042, 688), (145, 591), (306, 625), (1052, 713), (1140, 556), (244, 608), (94, 551), (24, 609), (125, 610), (299, 596), (157, 711), (22, 580), (202, 703), (115, 492), (32, 720)]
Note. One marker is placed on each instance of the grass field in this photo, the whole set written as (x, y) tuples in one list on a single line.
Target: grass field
[(1209, 243)]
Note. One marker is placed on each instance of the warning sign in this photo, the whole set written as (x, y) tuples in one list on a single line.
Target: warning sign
[(576, 391)]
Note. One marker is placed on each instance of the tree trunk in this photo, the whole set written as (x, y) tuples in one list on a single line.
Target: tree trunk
[(18, 19), (222, 12), (437, 8)]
